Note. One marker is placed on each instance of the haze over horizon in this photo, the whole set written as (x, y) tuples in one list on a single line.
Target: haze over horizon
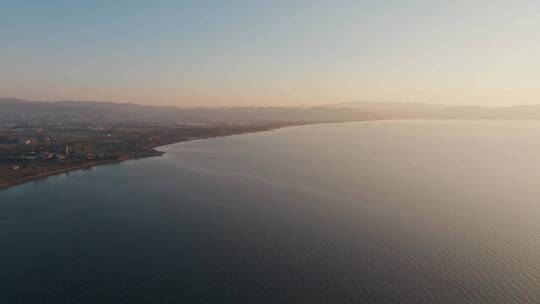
[(250, 53)]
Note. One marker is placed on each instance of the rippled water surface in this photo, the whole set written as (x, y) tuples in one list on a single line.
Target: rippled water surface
[(370, 212)]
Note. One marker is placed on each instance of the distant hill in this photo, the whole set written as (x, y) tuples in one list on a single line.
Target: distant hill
[(405, 110), (85, 111), (36, 112)]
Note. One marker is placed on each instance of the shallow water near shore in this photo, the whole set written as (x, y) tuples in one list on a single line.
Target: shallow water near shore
[(368, 212)]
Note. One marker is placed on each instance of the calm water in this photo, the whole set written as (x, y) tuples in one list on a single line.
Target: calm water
[(373, 212)]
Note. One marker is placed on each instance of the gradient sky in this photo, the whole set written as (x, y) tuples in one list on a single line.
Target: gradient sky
[(271, 52)]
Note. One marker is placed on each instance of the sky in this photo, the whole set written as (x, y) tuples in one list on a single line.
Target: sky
[(304, 52)]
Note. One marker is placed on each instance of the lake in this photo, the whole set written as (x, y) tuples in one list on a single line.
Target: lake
[(367, 212)]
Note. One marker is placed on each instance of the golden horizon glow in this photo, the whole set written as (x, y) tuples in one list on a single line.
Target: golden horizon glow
[(244, 54)]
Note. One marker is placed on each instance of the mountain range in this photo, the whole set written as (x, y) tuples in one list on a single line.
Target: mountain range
[(18, 110)]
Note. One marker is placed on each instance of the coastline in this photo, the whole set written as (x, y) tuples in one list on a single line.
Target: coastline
[(153, 153), (46, 174)]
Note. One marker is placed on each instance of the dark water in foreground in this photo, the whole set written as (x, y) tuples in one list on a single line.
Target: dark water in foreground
[(376, 212)]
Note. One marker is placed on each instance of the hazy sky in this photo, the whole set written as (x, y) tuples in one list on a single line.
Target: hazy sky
[(231, 52)]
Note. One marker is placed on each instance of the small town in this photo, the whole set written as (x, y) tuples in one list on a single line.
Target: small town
[(31, 151)]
